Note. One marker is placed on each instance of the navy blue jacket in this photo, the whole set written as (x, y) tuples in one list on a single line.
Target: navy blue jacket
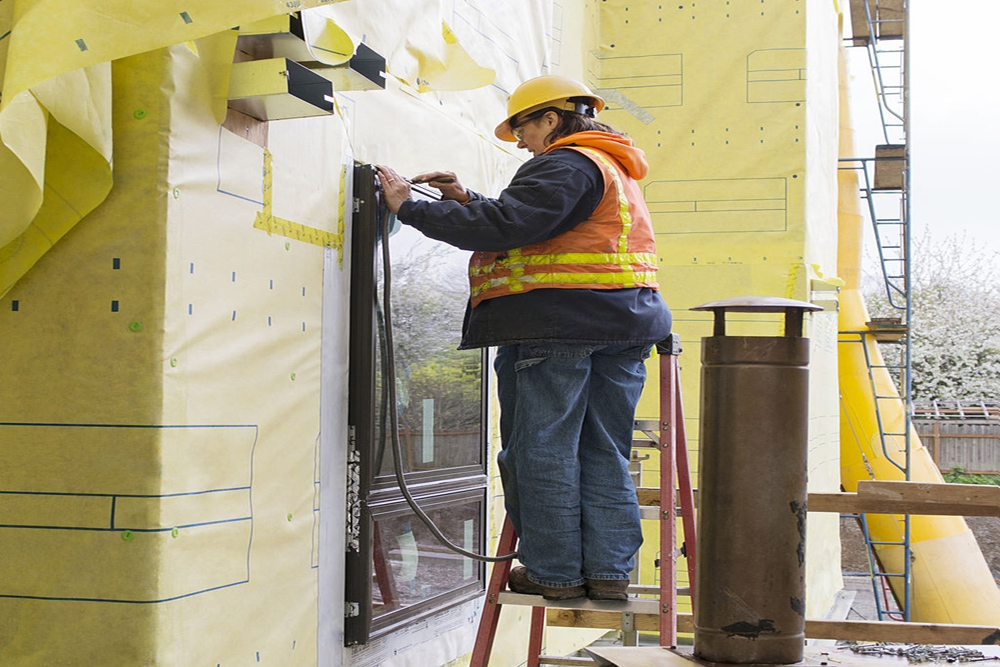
[(550, 194)]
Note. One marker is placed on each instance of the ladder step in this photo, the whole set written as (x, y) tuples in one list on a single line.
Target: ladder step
[(655, 590), (633, 605), (646, 425), (557, 660), (652, 512)]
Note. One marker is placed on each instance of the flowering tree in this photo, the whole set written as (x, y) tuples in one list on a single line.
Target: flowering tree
[(955, 328)]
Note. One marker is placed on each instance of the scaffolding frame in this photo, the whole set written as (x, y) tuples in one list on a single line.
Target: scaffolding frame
[(882, 28)]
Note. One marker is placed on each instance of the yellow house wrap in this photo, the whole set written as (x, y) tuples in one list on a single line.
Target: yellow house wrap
[(174, 308)]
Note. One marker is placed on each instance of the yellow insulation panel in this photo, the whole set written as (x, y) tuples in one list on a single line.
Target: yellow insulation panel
[(737, 137), (162, 476), (161, 439), (161, 463)]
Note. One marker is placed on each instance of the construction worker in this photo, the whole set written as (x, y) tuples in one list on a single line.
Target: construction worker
[(563, 281)]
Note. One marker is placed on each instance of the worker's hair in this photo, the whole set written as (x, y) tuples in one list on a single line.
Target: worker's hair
[(572, 122)]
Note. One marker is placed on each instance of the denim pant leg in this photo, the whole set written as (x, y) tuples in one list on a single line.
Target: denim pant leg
[(611, 530), (543, 391), (503, 364)]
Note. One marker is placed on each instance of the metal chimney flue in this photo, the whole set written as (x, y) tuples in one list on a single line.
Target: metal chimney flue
[(750, 587)]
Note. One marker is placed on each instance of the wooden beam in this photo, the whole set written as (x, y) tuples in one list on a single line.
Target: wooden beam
[(975, 494), (922, 498), (610, 620), (859, 23), (650, 495), (870, 631), (907, 633), (875, 497)]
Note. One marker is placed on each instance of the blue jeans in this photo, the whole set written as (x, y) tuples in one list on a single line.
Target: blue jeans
[(566, 421)]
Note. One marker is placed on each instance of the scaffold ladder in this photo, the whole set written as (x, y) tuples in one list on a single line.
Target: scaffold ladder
[(882, 27)]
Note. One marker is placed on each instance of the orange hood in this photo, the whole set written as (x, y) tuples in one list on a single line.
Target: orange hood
[(620, 148)]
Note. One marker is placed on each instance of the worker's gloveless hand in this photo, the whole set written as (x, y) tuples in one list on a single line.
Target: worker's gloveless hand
[(447, 183), (395, 188)]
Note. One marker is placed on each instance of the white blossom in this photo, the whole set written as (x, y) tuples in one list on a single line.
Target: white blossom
[(955, 328)]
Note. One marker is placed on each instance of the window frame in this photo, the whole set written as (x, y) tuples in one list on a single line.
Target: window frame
[(371, 496)]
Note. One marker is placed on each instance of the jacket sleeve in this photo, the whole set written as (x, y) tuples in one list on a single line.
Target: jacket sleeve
[(550, 194)]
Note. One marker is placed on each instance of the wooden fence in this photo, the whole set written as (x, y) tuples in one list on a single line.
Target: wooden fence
[(960, 434), (972, 446)]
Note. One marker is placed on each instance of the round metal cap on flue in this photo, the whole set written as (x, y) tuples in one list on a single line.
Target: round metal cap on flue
[(760, 304)]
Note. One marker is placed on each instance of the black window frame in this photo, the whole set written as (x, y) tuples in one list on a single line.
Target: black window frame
[(371, 496)]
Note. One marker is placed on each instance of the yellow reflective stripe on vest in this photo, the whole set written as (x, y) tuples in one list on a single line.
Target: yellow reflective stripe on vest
[(623, 278), (623, 210), (610, 258)]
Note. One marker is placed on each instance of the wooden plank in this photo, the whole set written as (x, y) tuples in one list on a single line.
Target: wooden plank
[(890, 167), (908, 633), (636, 589), (852, 503), (650, 495), (609, 620), (891, 498), (891, 19), (558, 660), (635, 605), (245, 126), (859, 23), (869, 631), (813, 656), (922, 498), (968, 497), (636, 656)]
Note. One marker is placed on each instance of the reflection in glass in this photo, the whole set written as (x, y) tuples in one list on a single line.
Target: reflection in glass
[(412, 566), (438, 387)]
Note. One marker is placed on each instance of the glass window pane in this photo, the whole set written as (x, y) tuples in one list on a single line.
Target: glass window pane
[(411, 566), (438, 388)]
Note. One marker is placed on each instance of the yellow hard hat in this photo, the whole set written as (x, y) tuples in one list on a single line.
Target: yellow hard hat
[(548, 91)]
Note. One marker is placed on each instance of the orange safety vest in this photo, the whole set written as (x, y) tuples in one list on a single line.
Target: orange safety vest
[(613, 249)]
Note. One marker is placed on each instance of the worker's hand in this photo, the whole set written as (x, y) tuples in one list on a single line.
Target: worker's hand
[(447, 183), (395, 188)]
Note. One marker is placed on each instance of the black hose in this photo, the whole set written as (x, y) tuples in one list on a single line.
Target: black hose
[(389, 380), (383, 406)]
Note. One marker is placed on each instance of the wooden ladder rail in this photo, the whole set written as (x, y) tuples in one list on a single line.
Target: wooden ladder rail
[(671, 441)]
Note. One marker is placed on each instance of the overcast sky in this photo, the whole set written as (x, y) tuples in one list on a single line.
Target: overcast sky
[(955, 102)]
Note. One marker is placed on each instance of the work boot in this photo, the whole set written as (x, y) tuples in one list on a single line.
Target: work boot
[(607, 589), (518, 582)]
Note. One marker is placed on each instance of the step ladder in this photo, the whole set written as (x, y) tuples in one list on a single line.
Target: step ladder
[(668, 435)]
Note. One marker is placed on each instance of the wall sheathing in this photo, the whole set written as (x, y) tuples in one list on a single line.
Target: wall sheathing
[(735, 106), (178, 365), (174, 372)]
